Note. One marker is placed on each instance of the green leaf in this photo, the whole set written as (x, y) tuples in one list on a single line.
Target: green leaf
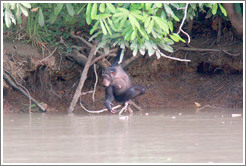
[(95, 35), (111, 7), (166, 47), (193, 5), (18, 14), (103, 27), (107, 27), (223, 10), (161, 23), (158, 5), (148, 6), (122, 23), (168, 41), (58, 8), (134, 22), (88, 14), (111, 24), (127, 29), (146, 22), (94, 11), (102, 7), (27, 5), (163, 16), (170, 25), (214, 8), (7, 18), (120, 14), (143, 33), (150, 27), (134, 35), (174, 38), (128, 36), (24, 10), (102, 16), (94, 28), (40, 17), (124, 10), (170, 12), (136, 13), (70, 9)]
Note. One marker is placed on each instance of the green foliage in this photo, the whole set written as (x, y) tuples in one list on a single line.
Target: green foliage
[(44, 20), (143, 27), (17, 9)]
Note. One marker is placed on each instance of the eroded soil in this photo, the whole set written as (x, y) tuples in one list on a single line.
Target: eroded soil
[(213, 78)]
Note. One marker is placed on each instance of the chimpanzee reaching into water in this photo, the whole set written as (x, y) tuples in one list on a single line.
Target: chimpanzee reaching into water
[(119, 85)]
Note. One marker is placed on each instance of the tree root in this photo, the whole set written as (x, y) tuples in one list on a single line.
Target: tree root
[(204, 50), (11, 81)]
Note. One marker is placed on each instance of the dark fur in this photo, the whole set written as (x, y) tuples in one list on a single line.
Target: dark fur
[(119, 85)]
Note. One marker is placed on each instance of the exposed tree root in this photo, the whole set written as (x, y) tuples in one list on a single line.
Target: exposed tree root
[(11, 81)]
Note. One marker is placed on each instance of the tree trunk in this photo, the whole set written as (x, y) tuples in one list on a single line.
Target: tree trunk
[(235, 18), (82, 80)]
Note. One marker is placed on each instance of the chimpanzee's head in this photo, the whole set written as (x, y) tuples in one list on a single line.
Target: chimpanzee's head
[(108, 76)]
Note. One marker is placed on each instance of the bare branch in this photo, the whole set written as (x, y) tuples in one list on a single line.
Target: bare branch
[(205, 50), (95, 85), (48, 56), (173, 58), (199, 109), (182, 23), (97, 111)]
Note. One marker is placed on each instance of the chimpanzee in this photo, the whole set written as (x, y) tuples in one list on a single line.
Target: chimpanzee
[(119, 85)]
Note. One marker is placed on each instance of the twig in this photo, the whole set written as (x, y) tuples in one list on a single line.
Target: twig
[(103, 64), (48, 56), (101, 57), (204, 50), (230, 53), (199, 109), (182, 23), (135, 105), (95, 85), (173, 58), (97, 111)]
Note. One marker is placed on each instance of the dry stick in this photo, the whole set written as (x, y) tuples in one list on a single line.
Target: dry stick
[(173, 58), (97, 111), (89, 45), (95, 85), (7, 79), (204, 50), (82, 80), (101, 57), (199, 109), (48, 56), (182, 23), (135, 105)]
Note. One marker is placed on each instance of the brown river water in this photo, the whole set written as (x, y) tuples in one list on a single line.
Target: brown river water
[(153, 136)]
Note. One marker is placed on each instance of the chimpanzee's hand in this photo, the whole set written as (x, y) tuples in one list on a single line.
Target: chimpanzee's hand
[(112, 111)]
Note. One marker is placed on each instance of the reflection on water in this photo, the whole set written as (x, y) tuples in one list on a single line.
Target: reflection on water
[(156, 136)]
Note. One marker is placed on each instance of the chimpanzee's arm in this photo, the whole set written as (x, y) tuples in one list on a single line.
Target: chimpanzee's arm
[(109, 98)]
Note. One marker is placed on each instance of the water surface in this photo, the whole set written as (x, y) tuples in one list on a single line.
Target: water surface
[(153, 136)]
